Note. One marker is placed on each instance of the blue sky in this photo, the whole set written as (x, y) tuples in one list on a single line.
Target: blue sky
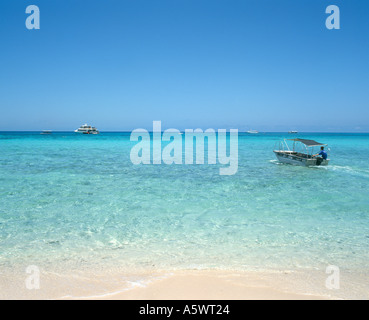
[(269, 65)]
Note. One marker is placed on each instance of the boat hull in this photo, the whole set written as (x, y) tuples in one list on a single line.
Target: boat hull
[(289, 158), (87, 132)]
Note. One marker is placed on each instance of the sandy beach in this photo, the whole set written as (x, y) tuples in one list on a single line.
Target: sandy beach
[(208, 285), (177, 285)]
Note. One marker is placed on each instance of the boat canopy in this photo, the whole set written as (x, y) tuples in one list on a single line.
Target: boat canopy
[(308, 143)]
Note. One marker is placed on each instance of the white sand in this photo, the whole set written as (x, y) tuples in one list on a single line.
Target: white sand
[(209, 285), (177, 285)]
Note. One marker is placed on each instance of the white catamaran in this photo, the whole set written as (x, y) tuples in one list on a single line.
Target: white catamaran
[(253, 131), (86, 129), (301, 153)]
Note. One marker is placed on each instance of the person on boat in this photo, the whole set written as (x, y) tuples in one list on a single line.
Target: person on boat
[(322, 153)]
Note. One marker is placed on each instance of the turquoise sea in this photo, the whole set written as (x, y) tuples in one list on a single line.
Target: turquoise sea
[(76, 202)]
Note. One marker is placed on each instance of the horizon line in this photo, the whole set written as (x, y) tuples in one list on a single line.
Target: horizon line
[(130, 131)]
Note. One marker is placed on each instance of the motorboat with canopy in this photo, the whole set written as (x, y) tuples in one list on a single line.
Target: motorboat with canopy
[(301, 152)]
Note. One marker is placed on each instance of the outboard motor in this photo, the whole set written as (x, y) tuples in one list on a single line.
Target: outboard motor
[(319, 161)]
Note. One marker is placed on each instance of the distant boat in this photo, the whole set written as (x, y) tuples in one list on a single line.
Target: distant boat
[(252, 131), (86, 129), (292, 132), (46, 132)]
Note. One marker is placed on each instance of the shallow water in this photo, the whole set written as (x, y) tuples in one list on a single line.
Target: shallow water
[(72, 201)]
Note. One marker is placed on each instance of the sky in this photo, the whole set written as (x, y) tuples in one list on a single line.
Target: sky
[(268, 65)]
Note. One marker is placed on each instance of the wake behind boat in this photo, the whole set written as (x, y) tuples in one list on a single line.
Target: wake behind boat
[(301, 153), (86, 129)]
